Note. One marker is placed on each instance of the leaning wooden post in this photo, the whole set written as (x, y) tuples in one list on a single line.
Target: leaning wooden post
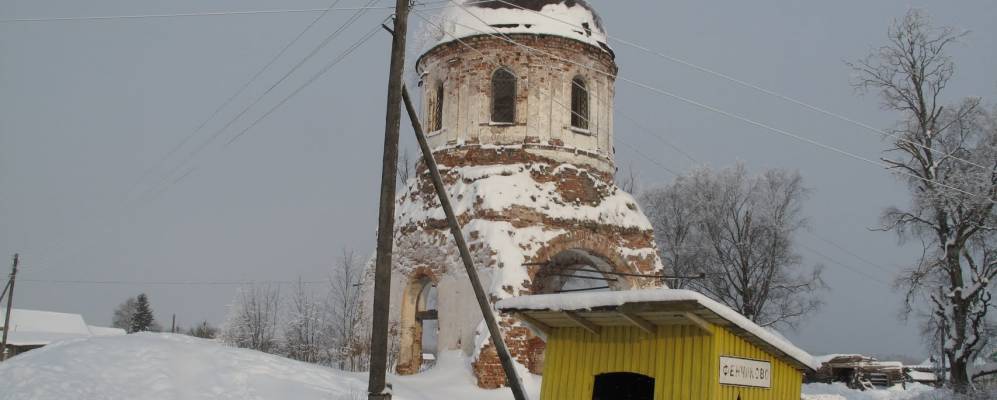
[(386, 214), (10, 306), (486, 310)]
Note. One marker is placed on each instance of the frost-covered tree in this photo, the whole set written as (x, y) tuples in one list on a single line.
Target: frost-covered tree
[(306, 326), (204, 330), (123, 315), (349, 319), (143, 320), (738, 230), (253, 320), (947, 155)]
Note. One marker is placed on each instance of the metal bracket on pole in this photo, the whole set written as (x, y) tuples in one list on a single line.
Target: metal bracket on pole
[(508, 365)]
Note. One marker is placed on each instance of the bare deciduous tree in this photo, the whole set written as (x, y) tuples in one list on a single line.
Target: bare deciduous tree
[(348, 326), (674, 215), (738, 230), (406, 168), (627, 181), (947, 154), (253, 320)]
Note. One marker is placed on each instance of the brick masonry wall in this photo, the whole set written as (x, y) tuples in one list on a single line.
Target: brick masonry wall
[(540, 138), (617, 246), (543, 116)]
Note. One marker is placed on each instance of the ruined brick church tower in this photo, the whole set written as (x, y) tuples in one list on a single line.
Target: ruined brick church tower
[(518, 108)]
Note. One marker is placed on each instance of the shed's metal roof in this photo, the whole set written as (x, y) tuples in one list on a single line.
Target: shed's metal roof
[(646, 309)]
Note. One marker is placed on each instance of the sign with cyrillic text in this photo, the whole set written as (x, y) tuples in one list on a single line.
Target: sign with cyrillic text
[(744, 372)]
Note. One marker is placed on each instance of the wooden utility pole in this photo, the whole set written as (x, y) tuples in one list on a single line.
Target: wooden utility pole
[(508, 365), (386, 215), (10, 305)]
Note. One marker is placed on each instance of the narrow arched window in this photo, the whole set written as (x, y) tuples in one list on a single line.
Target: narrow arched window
[(503, 96), (579, 103), (436, 109)]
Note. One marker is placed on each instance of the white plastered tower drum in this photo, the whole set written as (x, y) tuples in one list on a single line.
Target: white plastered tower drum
[(524, 141)]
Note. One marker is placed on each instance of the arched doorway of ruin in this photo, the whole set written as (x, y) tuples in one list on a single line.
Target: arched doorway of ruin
[(419, 326), (578, 270), (427, 314), (572, 270)]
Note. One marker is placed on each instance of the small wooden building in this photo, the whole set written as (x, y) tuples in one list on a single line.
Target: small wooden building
[(857, 371), (31, 329), (657, 344)]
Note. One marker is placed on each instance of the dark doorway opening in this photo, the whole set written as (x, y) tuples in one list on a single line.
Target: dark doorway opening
[(623, 386)]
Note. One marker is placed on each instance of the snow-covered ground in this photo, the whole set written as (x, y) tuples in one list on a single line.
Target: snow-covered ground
[(151, 366), (839, 391), (175, 367)]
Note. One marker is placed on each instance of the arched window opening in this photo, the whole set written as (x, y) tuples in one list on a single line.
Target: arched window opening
[(436, 109), (623, 386), (428, 316), (579, 103), (577, 270), (503, 96)]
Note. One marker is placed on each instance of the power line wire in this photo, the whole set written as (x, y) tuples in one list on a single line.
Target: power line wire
[(849, 252), (843, 265), (151, 194), (760, 89), (188, 14), (562, 105), (654, 161), (653, 133), (232, 98), (165, 283), (204, 144), (312, 79), (201, 14), (646, 157), (720, 111), (207, 13)]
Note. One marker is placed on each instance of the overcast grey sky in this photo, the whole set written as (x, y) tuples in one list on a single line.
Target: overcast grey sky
[(87, 106)]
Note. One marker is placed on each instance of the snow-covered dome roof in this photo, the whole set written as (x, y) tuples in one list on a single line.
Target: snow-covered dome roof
[(573, 19)]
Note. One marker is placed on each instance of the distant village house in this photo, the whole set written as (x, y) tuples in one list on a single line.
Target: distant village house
[(30, 329)]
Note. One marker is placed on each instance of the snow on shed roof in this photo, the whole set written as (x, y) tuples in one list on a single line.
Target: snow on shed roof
[(573, 19), (33, 328), (608, 300), (45, 321)]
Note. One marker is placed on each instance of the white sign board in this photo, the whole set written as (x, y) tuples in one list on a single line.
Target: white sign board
[(744, 372)]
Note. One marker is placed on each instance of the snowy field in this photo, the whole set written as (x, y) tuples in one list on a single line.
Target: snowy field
[(176, 367)]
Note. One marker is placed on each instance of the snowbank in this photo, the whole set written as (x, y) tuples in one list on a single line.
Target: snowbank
[(150, 366), (839, 391)]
